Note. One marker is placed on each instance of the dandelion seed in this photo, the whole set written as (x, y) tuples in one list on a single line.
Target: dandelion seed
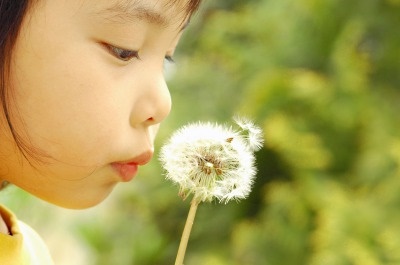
[(251, 132)]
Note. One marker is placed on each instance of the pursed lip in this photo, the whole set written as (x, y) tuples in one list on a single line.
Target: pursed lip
[(127, 169)]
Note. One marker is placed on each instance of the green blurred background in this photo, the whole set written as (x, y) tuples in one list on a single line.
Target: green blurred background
[(322, 77)]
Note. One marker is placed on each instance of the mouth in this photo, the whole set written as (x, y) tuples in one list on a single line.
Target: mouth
[(127, 170)]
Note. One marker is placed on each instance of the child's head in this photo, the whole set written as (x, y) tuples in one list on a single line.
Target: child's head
[(82, 91)]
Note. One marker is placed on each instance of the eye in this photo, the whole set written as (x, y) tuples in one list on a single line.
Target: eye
[(122, 54), (169, 59)]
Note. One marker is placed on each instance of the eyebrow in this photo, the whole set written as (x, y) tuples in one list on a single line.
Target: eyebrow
[(129, 11)]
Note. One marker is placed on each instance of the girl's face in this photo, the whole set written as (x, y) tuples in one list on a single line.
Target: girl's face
[(89, 92)]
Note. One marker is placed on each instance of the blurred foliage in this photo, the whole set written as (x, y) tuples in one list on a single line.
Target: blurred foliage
[(321, 76)]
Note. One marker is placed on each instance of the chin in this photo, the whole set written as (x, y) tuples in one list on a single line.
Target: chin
[(80, 202)]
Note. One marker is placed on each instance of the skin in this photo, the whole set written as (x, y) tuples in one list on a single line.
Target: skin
[(78, 103)]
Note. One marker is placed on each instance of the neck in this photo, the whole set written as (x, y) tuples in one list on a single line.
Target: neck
[(3, 227), (3, 184)]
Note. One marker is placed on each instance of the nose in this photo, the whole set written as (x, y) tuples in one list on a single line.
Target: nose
[(153, 102)]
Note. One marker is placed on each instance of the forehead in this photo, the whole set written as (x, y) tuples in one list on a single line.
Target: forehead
[(161, 12)]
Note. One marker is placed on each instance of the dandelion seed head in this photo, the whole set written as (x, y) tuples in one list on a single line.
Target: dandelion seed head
[(209, 161)]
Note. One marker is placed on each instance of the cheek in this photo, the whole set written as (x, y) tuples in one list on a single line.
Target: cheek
[(66, 96), (70, 105)]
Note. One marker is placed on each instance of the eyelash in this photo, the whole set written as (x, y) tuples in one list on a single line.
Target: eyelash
[(169, 59), (122, 54), (127, 55)]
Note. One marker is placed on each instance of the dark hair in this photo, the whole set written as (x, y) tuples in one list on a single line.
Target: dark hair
[(12, 13)]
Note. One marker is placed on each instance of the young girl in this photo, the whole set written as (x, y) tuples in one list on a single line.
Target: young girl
[(82, 94)]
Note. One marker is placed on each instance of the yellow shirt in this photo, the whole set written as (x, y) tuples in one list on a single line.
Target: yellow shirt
[(23, 246)]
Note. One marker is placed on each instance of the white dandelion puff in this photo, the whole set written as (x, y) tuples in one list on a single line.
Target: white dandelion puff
[(211, 161)]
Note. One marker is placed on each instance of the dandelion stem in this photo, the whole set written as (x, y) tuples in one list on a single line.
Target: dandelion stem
[(186, 232)]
